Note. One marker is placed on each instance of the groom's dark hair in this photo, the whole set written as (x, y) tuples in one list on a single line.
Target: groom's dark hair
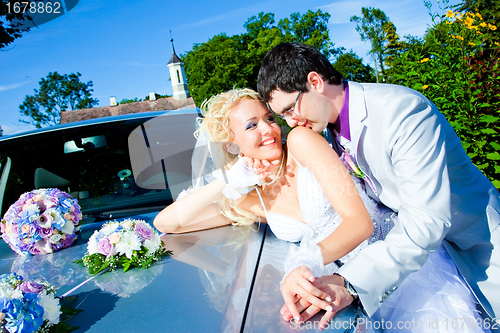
[(287, 65)]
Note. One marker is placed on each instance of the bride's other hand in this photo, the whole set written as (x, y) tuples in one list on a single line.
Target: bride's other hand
[(333, 285), (297, 285), (260, 167), (306, 309)]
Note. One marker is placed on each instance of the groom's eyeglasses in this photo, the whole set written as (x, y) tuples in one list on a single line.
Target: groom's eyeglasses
[(287, 113)]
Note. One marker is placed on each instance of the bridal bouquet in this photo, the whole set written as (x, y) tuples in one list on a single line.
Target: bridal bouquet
[(41, 221), (127, 244), (29, 306)]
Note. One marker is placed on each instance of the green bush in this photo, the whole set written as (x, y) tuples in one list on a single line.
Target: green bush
[(456, 66)]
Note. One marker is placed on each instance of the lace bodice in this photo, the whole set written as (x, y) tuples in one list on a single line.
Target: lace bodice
[(320, 217)]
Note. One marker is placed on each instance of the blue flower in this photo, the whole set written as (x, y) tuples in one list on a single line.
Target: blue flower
[(66, 204), (23, 316)]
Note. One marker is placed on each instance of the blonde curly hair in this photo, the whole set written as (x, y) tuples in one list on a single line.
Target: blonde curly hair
[(215, 124)]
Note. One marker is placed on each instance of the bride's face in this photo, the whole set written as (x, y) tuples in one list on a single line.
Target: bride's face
[(255, 131)]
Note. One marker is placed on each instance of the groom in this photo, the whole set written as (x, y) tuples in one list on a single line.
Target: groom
[(413, 163)]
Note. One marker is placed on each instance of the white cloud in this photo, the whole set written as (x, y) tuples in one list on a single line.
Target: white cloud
[(13, 86), (243, 12), (128, 63), (14, 129), (409, 16), (341, 11)]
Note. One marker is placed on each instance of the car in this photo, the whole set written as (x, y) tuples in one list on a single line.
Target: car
[(131, 166)]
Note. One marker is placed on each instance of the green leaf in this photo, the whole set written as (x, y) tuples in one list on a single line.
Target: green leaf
[(482, 166), (497, 168), (495, 145), (472, 155), (493, 156), (488, 131), (487, 118)]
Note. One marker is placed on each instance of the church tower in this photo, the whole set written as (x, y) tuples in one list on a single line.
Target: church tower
[(177, 75)]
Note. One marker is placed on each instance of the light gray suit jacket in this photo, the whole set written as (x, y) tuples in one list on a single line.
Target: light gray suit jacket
[(420, 170)]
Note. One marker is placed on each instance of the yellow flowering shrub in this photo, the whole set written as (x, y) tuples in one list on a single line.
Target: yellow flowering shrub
[(456, 65)]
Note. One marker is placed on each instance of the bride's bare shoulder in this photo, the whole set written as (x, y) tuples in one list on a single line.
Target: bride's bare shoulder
[(301, 140)]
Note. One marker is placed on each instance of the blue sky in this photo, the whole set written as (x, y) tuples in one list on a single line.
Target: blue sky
[(123, 46)]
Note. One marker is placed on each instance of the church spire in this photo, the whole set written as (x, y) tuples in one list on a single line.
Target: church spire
[(175, 59), (177, 75)]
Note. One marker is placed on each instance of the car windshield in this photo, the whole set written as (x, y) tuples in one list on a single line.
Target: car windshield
[(94, 164)]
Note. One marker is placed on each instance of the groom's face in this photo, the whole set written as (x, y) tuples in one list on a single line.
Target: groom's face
[(308, 109)]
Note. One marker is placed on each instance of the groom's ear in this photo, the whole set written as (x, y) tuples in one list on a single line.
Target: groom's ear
[(316, 81)]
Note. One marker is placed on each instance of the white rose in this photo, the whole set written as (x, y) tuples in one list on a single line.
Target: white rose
[(152, 244), (33, 209), (55, 238), (109, 228), (92, 244)]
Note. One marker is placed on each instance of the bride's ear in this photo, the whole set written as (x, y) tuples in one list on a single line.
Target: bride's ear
[(231, 148)]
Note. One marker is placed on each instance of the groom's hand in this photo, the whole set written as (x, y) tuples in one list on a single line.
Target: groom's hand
[(297, 286), (333, 286)]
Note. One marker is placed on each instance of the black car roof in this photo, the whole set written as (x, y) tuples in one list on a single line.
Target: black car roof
[(102, 120)]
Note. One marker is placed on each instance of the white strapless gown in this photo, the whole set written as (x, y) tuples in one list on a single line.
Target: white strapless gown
[(435, 296)]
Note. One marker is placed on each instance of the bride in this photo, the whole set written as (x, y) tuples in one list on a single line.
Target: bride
[(305, 194)]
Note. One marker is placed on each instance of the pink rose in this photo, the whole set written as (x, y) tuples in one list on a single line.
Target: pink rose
[(34, 251), (45, 233), (50, 203), (67, 241), (104, 247), (144, 231), (31, 287)]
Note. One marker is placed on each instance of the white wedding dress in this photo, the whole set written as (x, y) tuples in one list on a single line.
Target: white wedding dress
[(435, 296)]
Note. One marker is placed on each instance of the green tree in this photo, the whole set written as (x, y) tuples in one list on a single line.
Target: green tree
[(57, 93), (352, 68), (127, 101), (215, 66), (310, 28), (224, 62), (394, 48), (157, 96), (9, 30), (371, 28), (261, 36)]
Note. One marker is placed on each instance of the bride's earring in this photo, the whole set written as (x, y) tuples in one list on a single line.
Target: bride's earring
[(232, 148)]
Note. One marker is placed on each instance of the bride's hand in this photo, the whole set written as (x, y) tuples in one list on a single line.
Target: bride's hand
[(260, 167), (333, 285)]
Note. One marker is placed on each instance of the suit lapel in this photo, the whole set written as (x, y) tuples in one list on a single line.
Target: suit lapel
[(357, 114), (358, 124)]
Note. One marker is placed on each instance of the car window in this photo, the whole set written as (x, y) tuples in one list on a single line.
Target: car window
[(93, 164)]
